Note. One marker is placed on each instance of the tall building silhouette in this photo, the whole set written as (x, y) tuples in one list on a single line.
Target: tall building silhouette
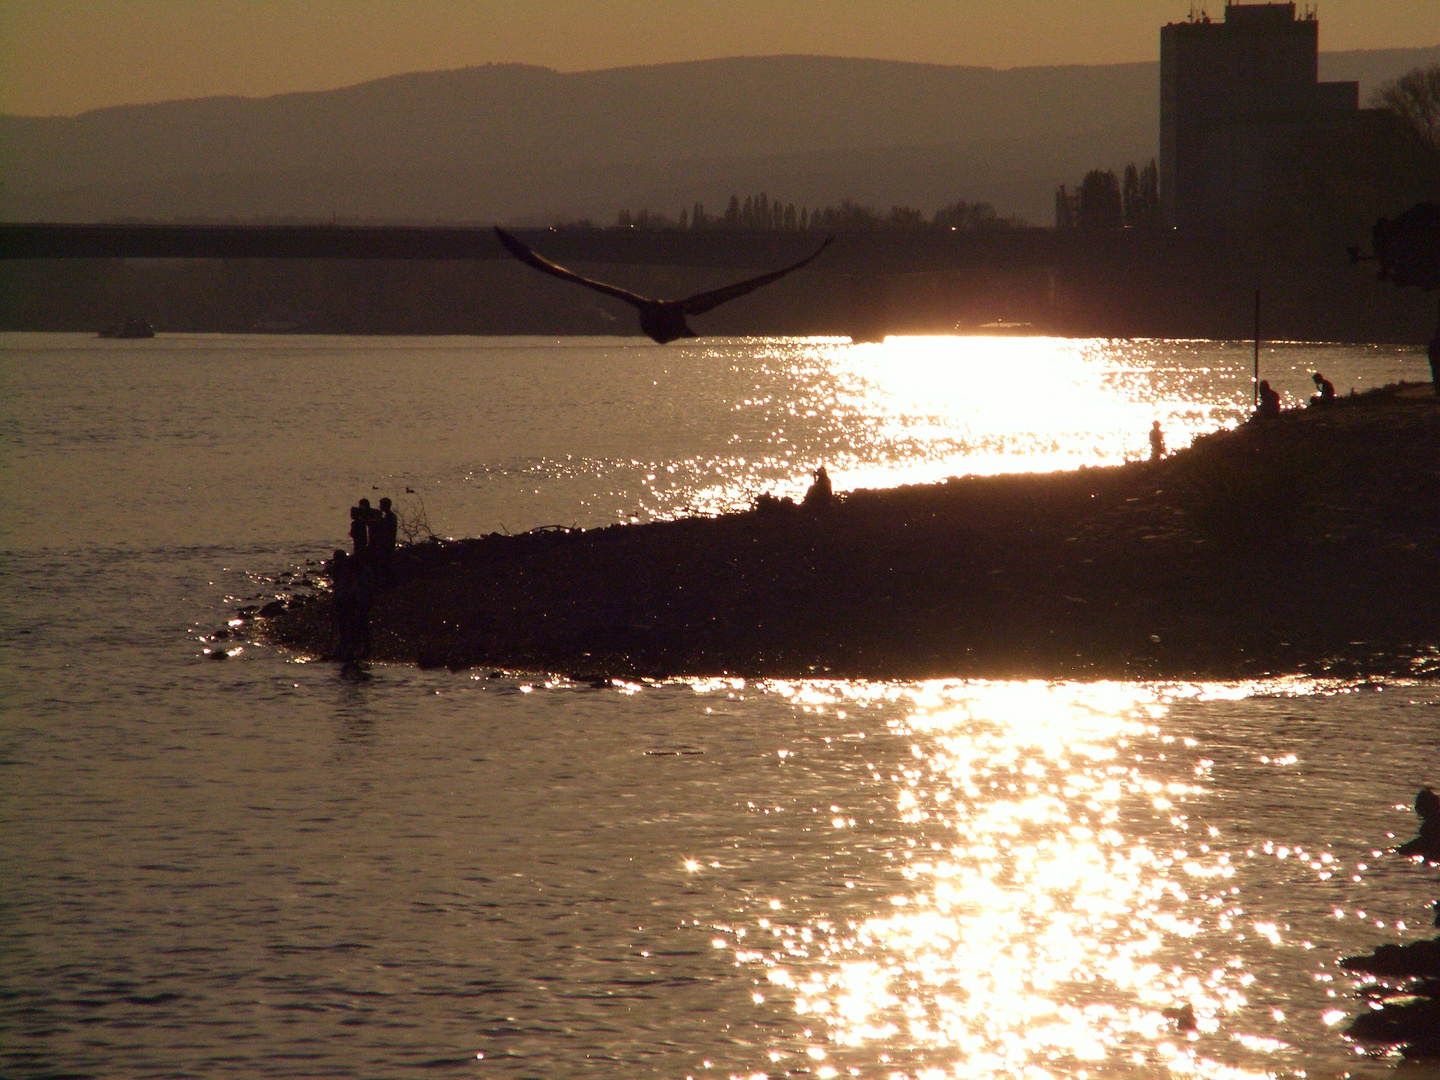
[(1240, 100)]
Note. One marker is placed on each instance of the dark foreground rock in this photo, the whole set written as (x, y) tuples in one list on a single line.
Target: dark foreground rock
[(1404, 1008), (1308, 544), (1418, 959)]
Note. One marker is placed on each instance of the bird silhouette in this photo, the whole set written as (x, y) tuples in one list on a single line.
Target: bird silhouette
[(662, 320)]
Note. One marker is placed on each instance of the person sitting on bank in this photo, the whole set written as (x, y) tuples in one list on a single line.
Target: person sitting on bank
[(818, 496), (1325, 392), (1269, 407), (1427, 844), (1157, 442)]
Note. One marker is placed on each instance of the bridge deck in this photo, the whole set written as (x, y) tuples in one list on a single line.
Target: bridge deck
[(879, 252)]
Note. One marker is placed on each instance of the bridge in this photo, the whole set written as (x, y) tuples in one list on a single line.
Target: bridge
[(867, 253), (415, 279)]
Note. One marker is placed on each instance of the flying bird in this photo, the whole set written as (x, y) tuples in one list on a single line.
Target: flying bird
[(662, 320)]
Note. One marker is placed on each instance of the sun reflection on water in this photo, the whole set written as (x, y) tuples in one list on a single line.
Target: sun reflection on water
[(1019, 404), (920, 409), (1050, 884)]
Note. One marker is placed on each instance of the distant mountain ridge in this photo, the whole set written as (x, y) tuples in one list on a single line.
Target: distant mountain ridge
[(523, 143)]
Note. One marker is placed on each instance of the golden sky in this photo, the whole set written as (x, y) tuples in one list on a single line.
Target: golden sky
[(65, 56)]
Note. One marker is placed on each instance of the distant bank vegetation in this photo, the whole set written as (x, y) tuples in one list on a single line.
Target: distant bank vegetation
[(1103, 201), (761, 213), (1414, 100)]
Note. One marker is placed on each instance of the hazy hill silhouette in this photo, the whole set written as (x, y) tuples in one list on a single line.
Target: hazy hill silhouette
[(522, 143)]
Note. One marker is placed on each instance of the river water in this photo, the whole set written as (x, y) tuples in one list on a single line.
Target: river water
[(265, 867)]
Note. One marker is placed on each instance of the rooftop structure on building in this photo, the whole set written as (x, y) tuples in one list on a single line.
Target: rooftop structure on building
[(1239, 100)]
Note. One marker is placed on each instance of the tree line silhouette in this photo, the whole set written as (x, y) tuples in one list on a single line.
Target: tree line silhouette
[(759, 212), (1103, 201), (1414, 100)]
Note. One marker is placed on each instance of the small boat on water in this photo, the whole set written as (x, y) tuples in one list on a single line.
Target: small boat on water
[(130, 328), (998, 328)]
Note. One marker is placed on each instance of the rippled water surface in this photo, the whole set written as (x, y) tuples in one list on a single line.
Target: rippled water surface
[(268, 868)]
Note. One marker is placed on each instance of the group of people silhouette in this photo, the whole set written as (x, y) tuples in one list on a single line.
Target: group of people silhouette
[(356, 576), (1269, 404), (372, 531), (1266, 408)]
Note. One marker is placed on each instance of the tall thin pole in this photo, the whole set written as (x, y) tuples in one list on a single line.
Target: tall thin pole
[(1256, 378)]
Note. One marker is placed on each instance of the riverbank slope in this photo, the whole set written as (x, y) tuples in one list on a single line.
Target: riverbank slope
[(1307, 544)]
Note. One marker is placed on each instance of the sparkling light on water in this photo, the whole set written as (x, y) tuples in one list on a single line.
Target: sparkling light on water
[(919, 409), (1059, 899), (266, 868), (509, 434)]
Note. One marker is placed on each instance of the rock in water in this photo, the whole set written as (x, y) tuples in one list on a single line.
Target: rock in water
[(1416, 960)]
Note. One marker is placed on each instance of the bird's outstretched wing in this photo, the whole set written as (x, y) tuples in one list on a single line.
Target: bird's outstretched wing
[(703, 302), (525, 255)]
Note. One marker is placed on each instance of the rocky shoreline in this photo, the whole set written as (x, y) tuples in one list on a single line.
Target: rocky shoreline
[(1309, 544)]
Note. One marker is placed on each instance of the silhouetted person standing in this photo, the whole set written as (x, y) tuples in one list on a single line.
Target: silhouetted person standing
[(818, 496), (1325, 395), (384, 527), (360, 528), (352, 595), (364, 601), (344, 586), (1157, 442)]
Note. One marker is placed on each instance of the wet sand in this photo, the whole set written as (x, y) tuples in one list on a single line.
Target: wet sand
[(1307, 545)]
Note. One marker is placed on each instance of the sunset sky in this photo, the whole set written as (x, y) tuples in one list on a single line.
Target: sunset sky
[(65, 56)]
